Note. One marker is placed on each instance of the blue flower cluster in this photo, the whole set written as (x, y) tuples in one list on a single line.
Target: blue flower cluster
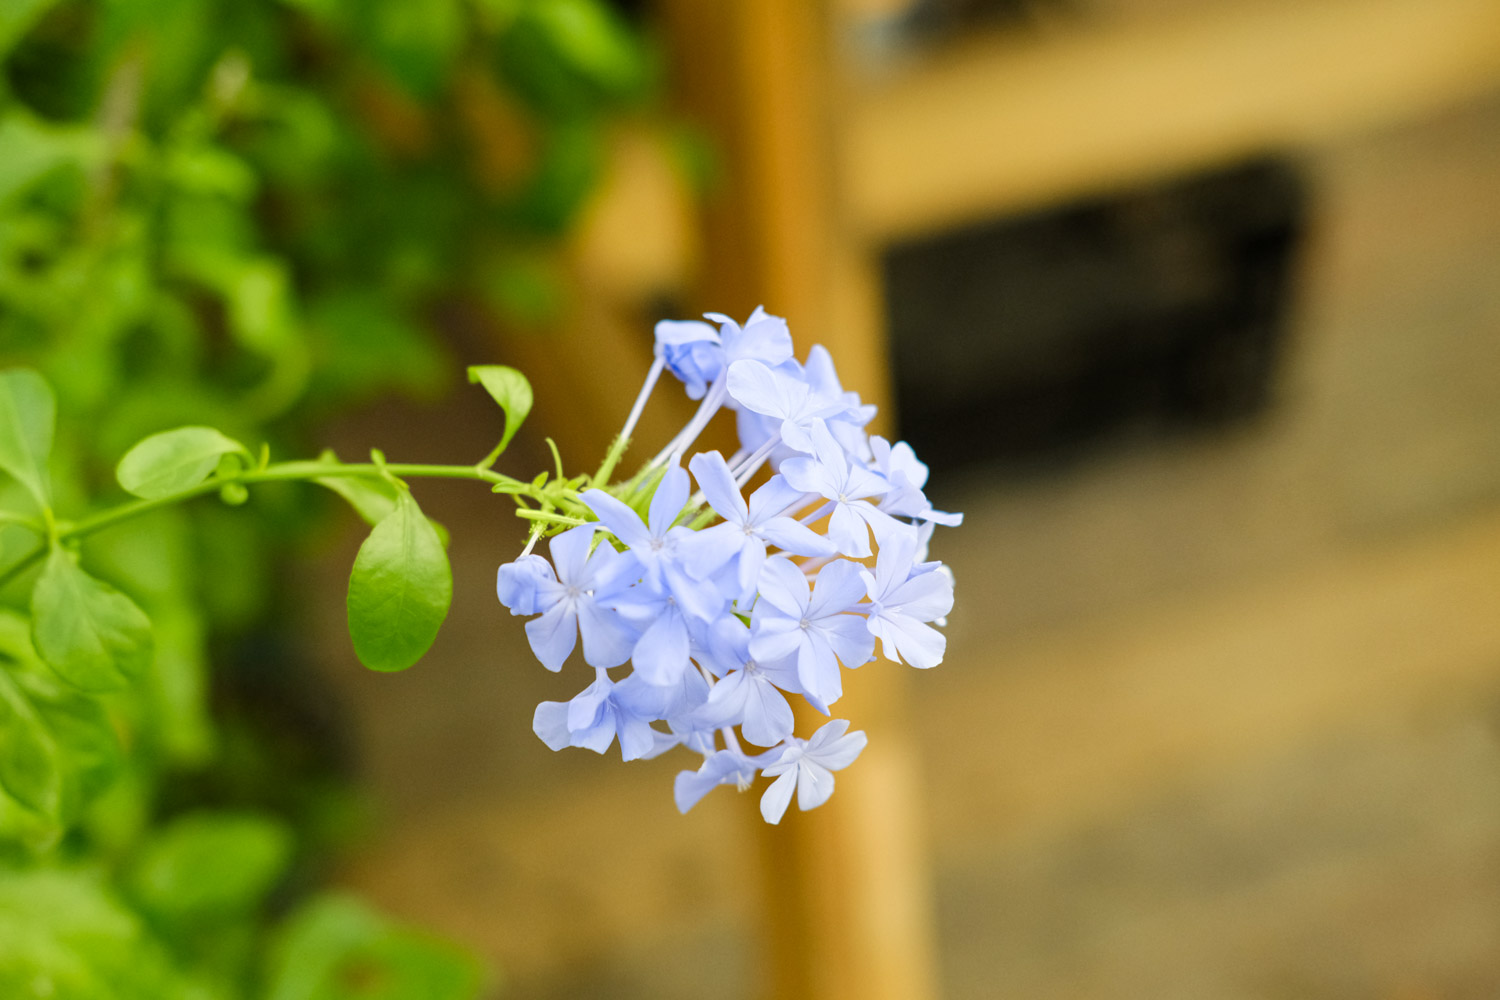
[(724, 604)]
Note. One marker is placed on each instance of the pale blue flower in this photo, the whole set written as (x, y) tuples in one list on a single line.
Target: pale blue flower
[(781, 394), (747, 528), (519, 584), (903, 599), (813, 626), (907, 474), (823, 381), (654, 541), (749, 694), (698, 354), (678, 705), (692, 351), (595, 718), (806, 767), (577, 601), (660, 603), (724, 767), (830, 474)]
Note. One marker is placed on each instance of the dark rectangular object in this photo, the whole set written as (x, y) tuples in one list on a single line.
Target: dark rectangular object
[(1025, 338)]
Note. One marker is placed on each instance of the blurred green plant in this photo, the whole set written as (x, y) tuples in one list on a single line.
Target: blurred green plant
[(189, 894), (244, 214)]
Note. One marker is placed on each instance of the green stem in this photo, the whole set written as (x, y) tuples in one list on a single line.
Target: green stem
[(611, 459), (547, 515), (492, 457), (280, 472)]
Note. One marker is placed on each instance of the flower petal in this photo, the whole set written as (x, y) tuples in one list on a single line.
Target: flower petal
[(814, 785), (784, 587), (607, 640), (570, 553), (718, 486), (618, 518), (839, 753), (667, 502), (767, 718), (661, 655), (554, 635), (550, 722), (774, 802)]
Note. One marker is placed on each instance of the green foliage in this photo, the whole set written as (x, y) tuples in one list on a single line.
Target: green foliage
[(27, 415), (338, 949), (399, 590), (208, 867), (191, 893), (234, 218), (65, 936), (16, 16)]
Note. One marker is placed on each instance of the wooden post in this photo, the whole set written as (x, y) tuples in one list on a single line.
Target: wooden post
[(847, 910)]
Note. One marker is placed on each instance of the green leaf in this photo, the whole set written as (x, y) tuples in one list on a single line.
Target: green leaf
[(593, 40), (30, 765), (27, 415), (511, 390), (415, 42), (34, 148), (260, 306), (173, 461), (90, 634), (399, 590), (209, 865), (16, 18), (207, 169), (336, 948)]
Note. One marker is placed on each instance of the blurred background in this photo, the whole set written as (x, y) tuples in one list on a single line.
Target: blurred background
[(1192, 307)]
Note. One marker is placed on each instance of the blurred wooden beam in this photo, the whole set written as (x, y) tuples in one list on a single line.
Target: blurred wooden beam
[(845, 910), (1003, 123)]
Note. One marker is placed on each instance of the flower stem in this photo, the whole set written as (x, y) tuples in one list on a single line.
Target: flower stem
[(547, 515), (279, 472)]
